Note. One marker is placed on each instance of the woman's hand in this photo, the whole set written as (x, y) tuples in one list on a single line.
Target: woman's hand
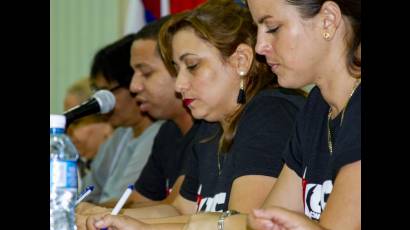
[(276, 218), (118, 222), (81, 219), (83, 207)]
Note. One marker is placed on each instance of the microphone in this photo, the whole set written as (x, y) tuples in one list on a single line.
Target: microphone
[(103, 101)]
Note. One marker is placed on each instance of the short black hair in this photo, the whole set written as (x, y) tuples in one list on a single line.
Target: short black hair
[(113, 62), (151, 30)]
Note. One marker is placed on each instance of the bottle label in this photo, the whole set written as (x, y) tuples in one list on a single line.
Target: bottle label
[(63, 174)]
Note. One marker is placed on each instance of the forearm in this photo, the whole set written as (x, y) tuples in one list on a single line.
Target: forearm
[(85, 208), (168, 223), (167, 226), (168, 220), (235, 222), (157, 211), (144, 204), (287, 192), (129, 204)]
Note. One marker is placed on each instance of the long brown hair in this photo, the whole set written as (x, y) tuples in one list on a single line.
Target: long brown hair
[(224, 24)]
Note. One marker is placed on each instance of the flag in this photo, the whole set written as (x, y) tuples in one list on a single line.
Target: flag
[(140, 12), (135, 19)]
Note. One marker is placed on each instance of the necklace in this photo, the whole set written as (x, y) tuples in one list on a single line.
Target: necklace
[(329, 116)]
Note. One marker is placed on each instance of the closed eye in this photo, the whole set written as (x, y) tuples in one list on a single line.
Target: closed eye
[(191, 67), (147, 75), (271, 31)]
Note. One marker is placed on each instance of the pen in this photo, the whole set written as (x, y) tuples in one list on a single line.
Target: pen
[(121, 202), (84, 194)]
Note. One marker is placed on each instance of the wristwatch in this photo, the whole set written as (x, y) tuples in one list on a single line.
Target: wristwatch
[(223, 216)]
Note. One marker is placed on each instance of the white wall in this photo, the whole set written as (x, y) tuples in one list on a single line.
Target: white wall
[(78, 28)]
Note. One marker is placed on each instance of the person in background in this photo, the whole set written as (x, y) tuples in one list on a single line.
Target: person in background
[(89, 132), (121, 158)]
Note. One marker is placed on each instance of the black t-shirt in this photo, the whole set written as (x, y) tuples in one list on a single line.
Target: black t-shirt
[(263, 131), (308, 152), (167, 161)]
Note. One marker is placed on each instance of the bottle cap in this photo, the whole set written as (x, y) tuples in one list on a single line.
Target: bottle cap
[(57, 121)]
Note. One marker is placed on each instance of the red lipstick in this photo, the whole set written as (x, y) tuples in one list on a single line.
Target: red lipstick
[(187, 102)]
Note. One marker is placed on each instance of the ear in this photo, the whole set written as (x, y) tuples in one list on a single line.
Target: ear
[(242, 59), (330, 16)]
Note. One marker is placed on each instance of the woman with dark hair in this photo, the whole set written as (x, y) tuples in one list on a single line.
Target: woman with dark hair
[(315, 41), (247, 117)]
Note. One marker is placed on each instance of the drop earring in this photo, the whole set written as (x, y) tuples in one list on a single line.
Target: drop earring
[(241, 97)]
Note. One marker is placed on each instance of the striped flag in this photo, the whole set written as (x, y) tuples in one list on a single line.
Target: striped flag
[(135, 19), (140, 12)]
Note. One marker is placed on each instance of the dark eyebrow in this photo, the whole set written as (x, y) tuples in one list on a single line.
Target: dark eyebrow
[(181, 58), (260, 21), (139, 65)]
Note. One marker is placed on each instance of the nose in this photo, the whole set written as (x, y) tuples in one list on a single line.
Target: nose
[(262, 46), (182, 83), (136, 85)]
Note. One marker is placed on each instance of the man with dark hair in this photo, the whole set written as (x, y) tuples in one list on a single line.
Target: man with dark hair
[(164, 172), (121, 158)]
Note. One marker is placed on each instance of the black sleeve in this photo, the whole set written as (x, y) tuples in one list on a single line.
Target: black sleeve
[(262, 134), (187, 150), (190, 185), (349, 138), (186, 160), (293, 151), (151, 182)]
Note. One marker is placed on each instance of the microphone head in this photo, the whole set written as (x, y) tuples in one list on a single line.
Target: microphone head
[(105, 99)]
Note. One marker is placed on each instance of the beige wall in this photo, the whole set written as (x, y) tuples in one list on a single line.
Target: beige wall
[(78, 28)]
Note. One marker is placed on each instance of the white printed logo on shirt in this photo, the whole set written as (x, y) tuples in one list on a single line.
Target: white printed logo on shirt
[(209, 204), (316, 196)]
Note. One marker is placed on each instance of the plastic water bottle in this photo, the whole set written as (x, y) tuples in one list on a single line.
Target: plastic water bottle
[(63, 176)]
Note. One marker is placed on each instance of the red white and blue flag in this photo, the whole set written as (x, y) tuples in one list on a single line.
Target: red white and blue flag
[(140, 12)]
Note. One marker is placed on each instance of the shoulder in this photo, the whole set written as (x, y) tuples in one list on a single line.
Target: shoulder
[(350, 133), (152, 130), (168, 129), (157, 124), (353, 109), (314, 100), (120, 131), (118, 134), (314, 109), (272, 104), (273, 98)]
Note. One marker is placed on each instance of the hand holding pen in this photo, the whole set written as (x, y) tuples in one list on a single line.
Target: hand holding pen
[(121, 202)]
